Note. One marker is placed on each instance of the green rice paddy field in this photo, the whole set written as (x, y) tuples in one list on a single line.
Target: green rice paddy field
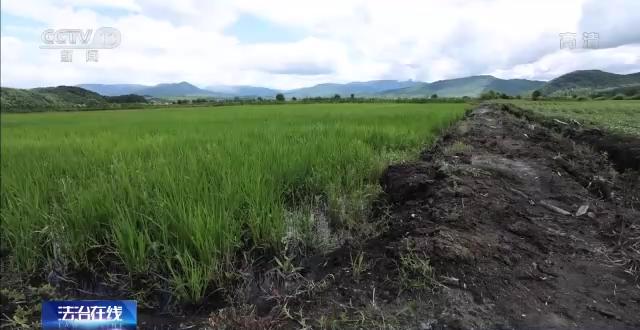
[(180, 191), (620, 116)]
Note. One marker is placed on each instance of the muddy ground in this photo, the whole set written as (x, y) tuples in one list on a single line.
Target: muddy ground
[(507, 222), (524, 229)]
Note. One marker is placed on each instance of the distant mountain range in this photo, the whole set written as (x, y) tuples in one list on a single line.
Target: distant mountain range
[(593, 83), (14, 99), (243, 91), (468, 86), (181, 89), (60, 98), (587, 82), (577, 82), (365, 88), (114, 89)]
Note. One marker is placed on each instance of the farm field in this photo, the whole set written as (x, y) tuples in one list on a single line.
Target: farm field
[(180, 192), (621, 116)]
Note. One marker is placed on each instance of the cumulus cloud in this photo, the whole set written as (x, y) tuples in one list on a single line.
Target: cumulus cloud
[(621, 59), (343, 40), (616, 21), (300, 68)]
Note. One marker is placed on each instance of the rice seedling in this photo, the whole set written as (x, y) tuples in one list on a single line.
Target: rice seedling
[(181, 191)]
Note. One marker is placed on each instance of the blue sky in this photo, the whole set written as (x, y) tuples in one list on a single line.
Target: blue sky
[(20, 27), (251, 29), (294, 43)]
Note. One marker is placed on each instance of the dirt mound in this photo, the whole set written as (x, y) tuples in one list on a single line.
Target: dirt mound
[(505, 224), (622, 150)]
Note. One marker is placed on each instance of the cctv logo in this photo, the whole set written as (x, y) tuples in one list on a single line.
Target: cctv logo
[(103, 38)]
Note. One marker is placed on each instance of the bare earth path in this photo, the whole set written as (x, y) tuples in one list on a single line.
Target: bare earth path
[(524, 228)]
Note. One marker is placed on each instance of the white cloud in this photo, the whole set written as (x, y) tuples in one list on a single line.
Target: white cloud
[(622, 59), (346, 40)]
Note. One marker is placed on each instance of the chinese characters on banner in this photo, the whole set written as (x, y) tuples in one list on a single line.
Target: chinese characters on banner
[(85, 313), (89, 314)]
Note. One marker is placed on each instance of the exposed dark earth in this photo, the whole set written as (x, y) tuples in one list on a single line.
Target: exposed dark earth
[(524, 228), (506, 222)]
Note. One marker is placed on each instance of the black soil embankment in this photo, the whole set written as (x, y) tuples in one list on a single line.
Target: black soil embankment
[(525, 228), (623, 150)]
